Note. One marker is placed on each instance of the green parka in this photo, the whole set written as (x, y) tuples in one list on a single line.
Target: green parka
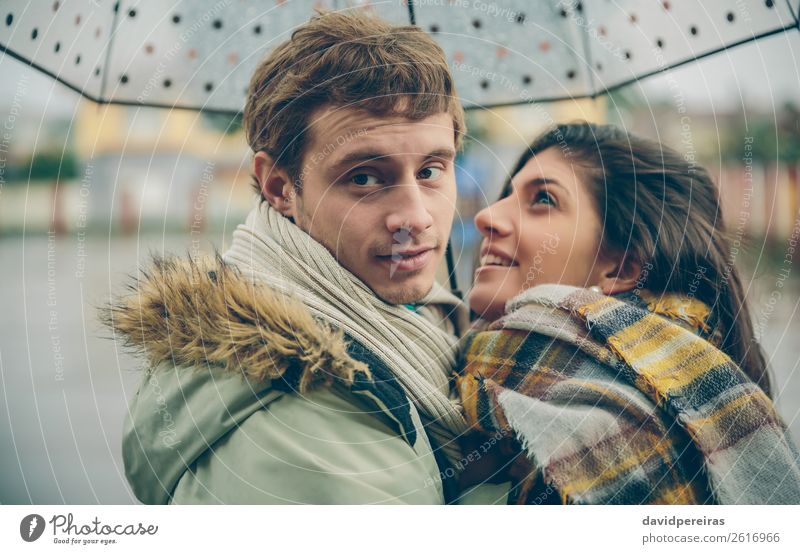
[(248, 400)]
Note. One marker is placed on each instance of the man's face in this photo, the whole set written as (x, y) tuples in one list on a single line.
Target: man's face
[(379, 193)]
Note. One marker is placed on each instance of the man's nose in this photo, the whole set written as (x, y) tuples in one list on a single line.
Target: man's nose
[(490, 221), (410, 211)]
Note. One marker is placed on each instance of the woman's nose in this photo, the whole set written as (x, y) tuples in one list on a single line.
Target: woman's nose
[(490, 222)]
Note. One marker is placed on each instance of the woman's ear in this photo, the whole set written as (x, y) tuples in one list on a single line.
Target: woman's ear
[(276, 185), (621, 276)]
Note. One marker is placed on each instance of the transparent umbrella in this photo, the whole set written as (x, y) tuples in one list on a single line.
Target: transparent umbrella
[(199, 55)]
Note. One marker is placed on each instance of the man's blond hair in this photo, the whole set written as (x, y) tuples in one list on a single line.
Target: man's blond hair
[(345, 59)]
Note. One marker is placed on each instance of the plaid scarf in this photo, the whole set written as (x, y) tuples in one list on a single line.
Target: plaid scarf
[(624, 400)]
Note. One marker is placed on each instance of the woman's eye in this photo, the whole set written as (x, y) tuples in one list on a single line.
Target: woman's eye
[(430, 173), (544, 197), (364, 179)]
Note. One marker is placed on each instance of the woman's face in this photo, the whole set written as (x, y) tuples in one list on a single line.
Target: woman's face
[(547, 230)]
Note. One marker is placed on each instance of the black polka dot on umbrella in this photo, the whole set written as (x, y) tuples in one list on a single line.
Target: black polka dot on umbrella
[(526, 79), (730, 17), (694, 30), (78, 59), (208, 87), (477, 23), (571, 74), (257, 30), (34, 33), (9, 19), (660, 42), (132, 13), (217, 24), (520, 18), (769, 3), (176, 18), (123, 79), (434, 28), (484, 84), (57, 47), (167, 83)]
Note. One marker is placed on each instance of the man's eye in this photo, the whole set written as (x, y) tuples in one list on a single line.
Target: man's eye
[(364, 179), (430, 173), (544, 197)]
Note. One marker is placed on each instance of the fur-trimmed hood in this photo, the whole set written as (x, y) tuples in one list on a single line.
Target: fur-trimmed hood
[(219, 348), (195, 313)]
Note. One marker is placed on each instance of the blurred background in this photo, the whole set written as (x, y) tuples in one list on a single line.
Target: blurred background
[(88, 192)]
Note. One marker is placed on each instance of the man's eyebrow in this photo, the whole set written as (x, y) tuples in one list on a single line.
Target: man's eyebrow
[(443, 153), (353, 158), (360, 156)]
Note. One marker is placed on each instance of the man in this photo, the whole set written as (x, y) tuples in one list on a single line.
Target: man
[(311, 363)]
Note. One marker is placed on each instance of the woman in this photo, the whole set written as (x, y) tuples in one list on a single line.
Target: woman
[(615, 360)]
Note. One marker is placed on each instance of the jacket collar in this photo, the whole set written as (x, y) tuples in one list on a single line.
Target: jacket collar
[(200, 313)]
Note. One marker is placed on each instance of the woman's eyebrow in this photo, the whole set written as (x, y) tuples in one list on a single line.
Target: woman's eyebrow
[(541, 181)]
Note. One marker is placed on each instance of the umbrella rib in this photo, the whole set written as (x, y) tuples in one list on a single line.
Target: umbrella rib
[(6, 50), (795, 11), (587, 56), (105, 101), (111, 37)]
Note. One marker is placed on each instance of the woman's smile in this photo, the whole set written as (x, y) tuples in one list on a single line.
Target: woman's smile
[(494, 259)]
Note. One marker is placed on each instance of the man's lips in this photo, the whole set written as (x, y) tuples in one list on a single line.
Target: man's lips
[(408, 260)]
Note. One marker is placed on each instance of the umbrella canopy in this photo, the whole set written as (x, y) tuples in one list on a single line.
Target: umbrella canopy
[(199, 55)]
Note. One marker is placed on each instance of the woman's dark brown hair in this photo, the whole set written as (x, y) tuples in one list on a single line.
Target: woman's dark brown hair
[(662, 211)]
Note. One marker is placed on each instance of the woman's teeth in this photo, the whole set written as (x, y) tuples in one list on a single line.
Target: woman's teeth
[(490, 259)]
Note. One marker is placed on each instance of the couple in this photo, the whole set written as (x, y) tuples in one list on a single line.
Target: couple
[(318, 361)]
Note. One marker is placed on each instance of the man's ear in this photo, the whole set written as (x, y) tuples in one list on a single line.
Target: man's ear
[(276, 185), (621, 276)]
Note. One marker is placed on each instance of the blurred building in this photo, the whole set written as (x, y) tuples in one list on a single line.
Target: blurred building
[(138, 169)]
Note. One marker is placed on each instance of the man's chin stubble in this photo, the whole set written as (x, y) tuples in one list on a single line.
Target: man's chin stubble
[(403, 295)]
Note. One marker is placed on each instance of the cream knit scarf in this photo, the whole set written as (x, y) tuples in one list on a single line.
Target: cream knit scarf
[(271, 249)]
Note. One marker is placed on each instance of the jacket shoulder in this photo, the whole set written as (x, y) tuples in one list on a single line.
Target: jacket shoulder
[(323, 447), (246, 382)]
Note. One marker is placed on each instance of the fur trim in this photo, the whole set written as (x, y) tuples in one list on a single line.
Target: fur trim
[(198, 312)]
